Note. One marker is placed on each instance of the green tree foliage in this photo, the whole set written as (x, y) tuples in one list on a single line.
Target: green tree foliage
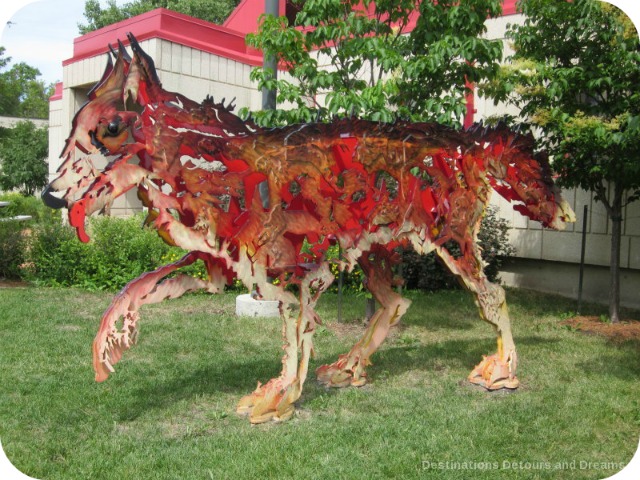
[(21, 93), (348, 57), (575, 75), (215, 11), (23, 154)]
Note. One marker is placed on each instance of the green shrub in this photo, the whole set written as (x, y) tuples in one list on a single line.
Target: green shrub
[(351, 281), (494, 241), (173, 254), (14, 234), (426, 272), (12, 249), (120, 250), (27, 205), (56, 256)]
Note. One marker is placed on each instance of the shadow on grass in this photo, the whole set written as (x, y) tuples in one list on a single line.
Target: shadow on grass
[(435, 322), (233, 377), (463, 354), (534, 340), (623, 364), (239, 378), (446, 310)]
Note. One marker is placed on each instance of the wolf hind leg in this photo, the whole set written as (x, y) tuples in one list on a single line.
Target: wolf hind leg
[(349, 369)]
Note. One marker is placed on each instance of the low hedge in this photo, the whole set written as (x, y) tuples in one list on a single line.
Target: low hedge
[(120, 250)]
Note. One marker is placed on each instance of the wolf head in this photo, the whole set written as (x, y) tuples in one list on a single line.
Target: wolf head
[(522, 176), (149, 137)]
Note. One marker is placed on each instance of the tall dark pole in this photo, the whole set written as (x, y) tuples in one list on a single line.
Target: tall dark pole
[(340, 282), (582, 250), (271, 7)]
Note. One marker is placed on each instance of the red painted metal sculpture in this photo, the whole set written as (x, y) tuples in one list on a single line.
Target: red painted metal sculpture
[(369, 187)]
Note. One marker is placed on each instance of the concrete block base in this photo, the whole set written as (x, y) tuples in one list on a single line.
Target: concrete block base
[(247, 306)]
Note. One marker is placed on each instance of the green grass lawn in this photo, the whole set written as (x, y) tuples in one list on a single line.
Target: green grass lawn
[(169, 411)]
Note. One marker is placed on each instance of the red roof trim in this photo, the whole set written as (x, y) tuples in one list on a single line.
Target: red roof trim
[(509, 7), (191, 32), (231, 19), (245, 17), (171, 26), (57, 94)]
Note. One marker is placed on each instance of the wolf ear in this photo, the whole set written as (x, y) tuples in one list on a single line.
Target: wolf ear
[(144, 60), (114, 74), (122, 50), (143, 70), (93, 93)]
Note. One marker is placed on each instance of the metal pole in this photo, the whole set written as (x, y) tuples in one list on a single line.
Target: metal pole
[(370, 308), (584, 243), (268, 101), (340, 282), (271, 7)]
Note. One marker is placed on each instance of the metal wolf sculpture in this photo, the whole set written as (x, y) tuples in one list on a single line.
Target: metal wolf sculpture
[(197, 166)]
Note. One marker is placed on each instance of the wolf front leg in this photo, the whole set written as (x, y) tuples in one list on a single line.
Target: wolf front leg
[(113, 339), (275, 399), (349, 369), (498, 370)]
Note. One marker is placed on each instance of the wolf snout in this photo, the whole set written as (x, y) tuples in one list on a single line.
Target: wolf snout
[(50, 200), (564, 214)]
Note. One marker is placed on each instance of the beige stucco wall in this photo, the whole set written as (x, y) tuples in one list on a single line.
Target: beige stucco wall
[(56, 136), (196, 74), (533, 242), (563, 278)]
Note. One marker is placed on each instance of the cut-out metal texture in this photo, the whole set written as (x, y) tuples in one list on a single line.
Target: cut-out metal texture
[(261, 204)]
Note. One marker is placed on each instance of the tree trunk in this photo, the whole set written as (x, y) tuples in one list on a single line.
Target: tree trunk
[(614, 272), (614, 269)]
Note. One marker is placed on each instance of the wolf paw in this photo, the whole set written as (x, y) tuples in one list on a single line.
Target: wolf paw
[(343, 373), (494, 374), (272, 401)]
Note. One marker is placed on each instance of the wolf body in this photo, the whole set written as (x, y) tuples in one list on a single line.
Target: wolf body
[(262, 204)]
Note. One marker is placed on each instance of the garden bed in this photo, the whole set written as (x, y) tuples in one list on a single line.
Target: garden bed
[(622, 331)]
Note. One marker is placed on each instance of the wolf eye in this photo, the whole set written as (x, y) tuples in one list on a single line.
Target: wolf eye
[(112, 128)]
